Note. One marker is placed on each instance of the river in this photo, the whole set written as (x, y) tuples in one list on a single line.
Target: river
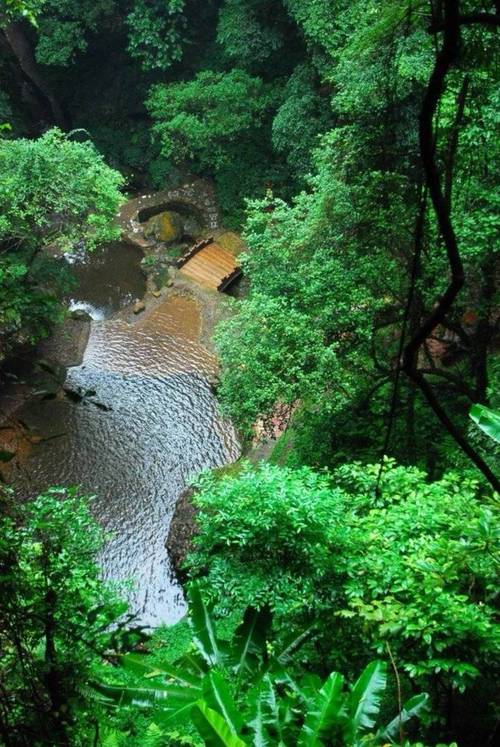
[(152, 424)]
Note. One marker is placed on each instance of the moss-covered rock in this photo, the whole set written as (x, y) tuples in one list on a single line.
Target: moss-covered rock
[(167, 226), (231, 242), (183, 529)]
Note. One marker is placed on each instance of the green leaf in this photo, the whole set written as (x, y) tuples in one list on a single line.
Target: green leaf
[(486, 419), (271, 708), (412, 708), (7, 456), (144, 697), (204, 633), (219, 698), (259, 721), (323, 712), (364, 700), (171, 702), (292, 644), (250, 637), (213, 728), (140, 664)]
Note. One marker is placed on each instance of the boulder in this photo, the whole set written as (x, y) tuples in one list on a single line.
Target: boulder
[(80, 315), (138, 307), (167, 226), (183, 529)]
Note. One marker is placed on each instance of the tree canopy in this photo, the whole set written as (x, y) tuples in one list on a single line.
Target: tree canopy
[(353, 146), (55, 193)]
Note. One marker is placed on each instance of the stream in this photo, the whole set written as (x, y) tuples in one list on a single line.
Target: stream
[(152, 424)]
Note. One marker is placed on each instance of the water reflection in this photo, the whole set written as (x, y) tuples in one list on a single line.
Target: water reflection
[(162, 425), (108, 279)]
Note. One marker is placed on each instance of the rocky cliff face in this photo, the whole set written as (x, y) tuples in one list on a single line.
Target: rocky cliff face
[(181, 532)]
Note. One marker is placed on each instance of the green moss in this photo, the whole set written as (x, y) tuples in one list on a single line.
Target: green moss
[(228, 470), (166, 226)]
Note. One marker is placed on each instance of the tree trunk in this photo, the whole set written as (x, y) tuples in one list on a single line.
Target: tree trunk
[(20, 46), (453, 142), (482, 338)]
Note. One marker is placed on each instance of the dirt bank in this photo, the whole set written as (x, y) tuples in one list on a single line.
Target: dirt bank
[(64, 348), (183, 529)]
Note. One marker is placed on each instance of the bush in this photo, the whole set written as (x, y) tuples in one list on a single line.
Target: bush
[(55, 618), (269, 536), (57, 193), (413, 568)]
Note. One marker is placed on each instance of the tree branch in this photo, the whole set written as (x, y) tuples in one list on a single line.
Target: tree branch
[(445, 58), (490, 20)]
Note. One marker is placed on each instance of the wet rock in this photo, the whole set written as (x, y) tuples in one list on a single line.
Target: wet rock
[(213, 382), (80, 315), (48, 377), (183, 528), (66, 345), (138, 307), (167, 226)]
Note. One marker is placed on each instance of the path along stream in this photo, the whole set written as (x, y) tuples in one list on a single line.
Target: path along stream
[(163, 425)]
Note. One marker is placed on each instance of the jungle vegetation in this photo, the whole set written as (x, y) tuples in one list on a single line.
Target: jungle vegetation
[(345, 591)]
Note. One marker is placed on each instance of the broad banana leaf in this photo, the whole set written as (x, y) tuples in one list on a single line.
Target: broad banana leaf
[(140, 664), (363, 703), (218, 697), (203, 627), (214, 730), (292, 645), (259, 720), (250, 637), (172, 704), (307, 688), (412, 708), (169, 697), (324, 712), (271, 708), (486, 419)]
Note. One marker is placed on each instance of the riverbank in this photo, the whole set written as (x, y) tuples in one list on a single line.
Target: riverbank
[(65, 347), (45, 370), (127, 411)]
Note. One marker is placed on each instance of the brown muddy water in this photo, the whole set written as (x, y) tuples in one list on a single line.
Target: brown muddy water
[(162, 427), (107, 280)]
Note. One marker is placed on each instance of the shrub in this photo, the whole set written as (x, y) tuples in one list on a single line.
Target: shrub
[(413, 568)]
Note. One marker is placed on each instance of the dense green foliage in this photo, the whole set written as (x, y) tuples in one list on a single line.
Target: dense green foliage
[(415, 568), (55, 194), (212, 122), (247, 692), (20, 8), (336, 260), (54, 621), (354, 143)]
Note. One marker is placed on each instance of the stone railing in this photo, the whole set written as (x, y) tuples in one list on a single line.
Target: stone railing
[(197, 196)]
